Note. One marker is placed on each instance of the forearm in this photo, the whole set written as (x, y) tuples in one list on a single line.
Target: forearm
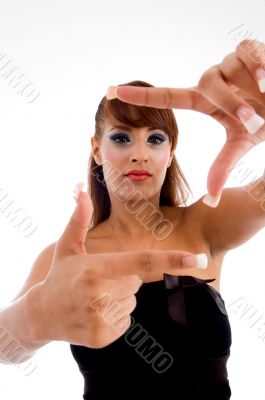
[(18, 321)]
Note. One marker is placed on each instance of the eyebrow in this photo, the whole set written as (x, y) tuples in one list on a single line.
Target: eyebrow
[(127, 128)]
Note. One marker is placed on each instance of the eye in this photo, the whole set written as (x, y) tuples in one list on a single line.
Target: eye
[(121, 138), (158, 138), (118, 138)]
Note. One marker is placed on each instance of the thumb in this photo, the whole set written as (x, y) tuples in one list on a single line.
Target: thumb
[(73, 238), (225, 161)]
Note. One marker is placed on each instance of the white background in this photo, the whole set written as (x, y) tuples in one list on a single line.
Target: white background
[(72, 51)]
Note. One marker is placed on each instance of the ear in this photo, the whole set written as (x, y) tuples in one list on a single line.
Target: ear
[(95, 150), (170, 159)]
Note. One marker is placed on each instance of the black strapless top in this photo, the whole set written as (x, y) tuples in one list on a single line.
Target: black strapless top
[(177, 347)]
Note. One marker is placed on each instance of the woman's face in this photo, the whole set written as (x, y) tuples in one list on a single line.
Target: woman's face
[(124, 148)]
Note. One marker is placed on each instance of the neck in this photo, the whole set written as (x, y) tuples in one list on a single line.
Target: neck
[(138, 224)]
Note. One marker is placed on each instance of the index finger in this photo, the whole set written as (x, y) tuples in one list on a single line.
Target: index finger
[(145, 262), (166, 98)]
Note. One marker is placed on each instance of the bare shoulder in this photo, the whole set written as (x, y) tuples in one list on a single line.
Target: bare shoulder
[(187, 232), (187, 235), (197, 216)]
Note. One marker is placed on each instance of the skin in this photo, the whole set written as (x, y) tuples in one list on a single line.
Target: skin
[(76, 282), (198, 229), (142, 149), (220, 92), (132, 234), (82, 265)]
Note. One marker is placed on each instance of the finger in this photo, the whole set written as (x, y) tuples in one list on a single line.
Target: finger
[(108, 333), (154, 97), (117, 309), (124, 286), (221, 168), (237, 72), (252, 54), (73, 238), (143, 263), (119, 288), (213, 87), (123, 324)]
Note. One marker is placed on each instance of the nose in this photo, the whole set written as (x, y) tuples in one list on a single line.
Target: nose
[(138, 159), (139, 155)]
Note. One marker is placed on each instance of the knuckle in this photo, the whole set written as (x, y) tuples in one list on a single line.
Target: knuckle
[(98, 300), (99, 304), (146, 97), (75, 247), (120, 310), (124, 323), (230, 66), (204, 79), (144, 260), (130, 305), (90, 277), (229, 59), (133, 303), (95, 288), (135, 285), (254, 49), (102, 333), (208, 79), (172, 262), (245, 44), (167, 100)]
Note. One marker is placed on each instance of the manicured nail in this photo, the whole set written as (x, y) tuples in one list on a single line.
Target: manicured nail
[(252, 121), (260, 75), (212, 201), (111, 93), (197, 261), (78, 188)]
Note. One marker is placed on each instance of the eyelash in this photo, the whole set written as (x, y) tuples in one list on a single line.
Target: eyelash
[(116, 136)]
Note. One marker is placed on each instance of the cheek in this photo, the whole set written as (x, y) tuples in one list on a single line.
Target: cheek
[(161, 160), (113, 154), (116, 155), (114, 161)]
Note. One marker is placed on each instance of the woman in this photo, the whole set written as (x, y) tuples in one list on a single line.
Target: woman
[(173, 338), (179, 340), (181, 324)]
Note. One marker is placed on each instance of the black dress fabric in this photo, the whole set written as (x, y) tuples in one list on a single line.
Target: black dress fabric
[(177, 347)]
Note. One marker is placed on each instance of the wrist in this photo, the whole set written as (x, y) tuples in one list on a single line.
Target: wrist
[(36, 314)]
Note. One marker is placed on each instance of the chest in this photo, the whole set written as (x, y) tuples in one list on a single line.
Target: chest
[(190, 240)]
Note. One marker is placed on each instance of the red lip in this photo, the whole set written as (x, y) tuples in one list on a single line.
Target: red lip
[(138, 172)]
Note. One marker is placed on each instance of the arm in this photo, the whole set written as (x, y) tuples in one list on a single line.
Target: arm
[(20, 317), (238, 217), (17, 321)]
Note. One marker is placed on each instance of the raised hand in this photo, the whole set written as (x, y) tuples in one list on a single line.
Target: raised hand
[(231, 92), (80, 288)]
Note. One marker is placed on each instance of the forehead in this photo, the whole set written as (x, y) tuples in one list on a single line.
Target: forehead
[(111, 122)]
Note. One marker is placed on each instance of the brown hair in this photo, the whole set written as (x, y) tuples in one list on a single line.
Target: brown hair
[(175, 188)]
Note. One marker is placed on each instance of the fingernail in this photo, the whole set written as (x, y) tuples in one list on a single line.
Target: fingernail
[(111, 93), (212, 201), (260, 75), (252, 121), (197, 261), (77, 189), (202, 260)]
